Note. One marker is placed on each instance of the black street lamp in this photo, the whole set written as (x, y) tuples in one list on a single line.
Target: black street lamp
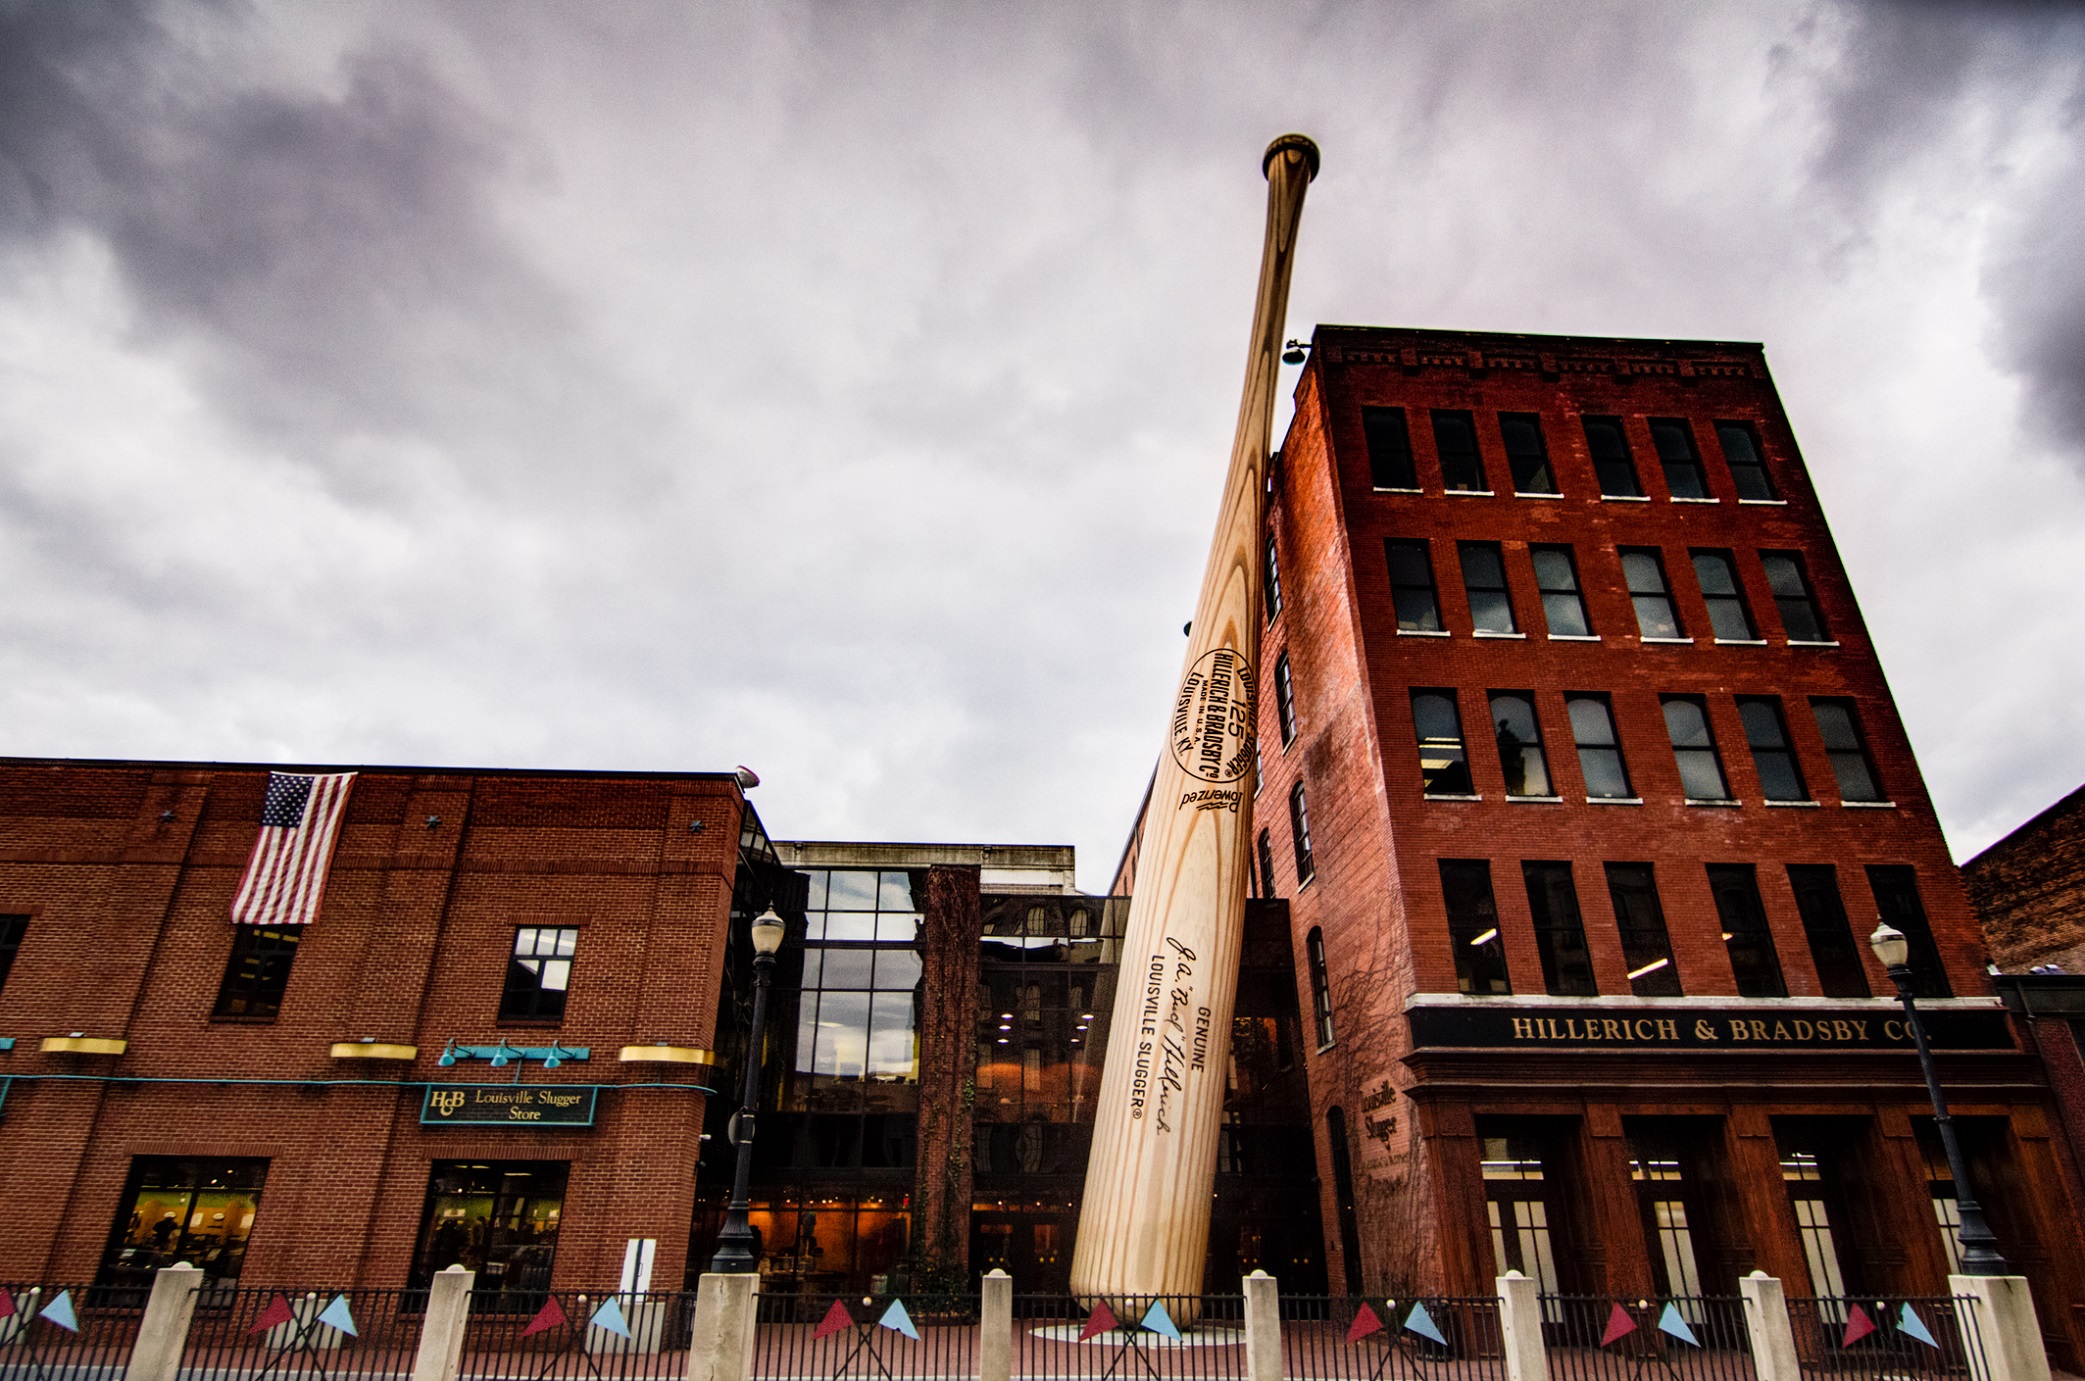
[(1980, 1255), (738, 1248)]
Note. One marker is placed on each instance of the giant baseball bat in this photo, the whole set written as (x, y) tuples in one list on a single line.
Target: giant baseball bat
[(1144, 1222)]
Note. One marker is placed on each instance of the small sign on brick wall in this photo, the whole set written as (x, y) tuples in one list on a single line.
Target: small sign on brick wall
[(509, 1105)]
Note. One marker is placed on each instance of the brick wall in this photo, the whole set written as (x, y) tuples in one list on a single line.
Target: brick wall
[(2029, 889), (130, 935)]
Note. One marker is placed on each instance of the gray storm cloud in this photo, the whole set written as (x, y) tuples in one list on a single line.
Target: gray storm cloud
[(845, 391)]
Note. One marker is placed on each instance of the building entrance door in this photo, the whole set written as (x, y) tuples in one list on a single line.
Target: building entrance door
[(1668, 1196)]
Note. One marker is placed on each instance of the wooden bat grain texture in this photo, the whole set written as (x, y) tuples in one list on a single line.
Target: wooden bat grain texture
[(1144, 1221)]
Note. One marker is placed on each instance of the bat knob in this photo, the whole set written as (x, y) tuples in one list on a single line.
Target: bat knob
[(1292, 143)]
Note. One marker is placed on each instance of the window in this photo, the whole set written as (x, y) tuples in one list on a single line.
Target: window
[(1801, 619), (1896, 897), (1455, 438), (1729, 619), (1299, 832), (1518, 1209), (174, 1210), (1444, 767), (1746, 936), (857, 1025), (1674, 440), (1847, 748), (1611, 460), (1766, 733), (1411, 588), (1556, 577), (1599, 751), (1832, 947), (1701, 770), (1320, 987), (1484, 579), (1273, 574), (539, 973), (1747, 462), (258, 973), (1567, 966), (1266, 849), (1644, 570), (1646, 948), (499, 1219), (12, 929), (1520, 744), (1389, 449), (1285, 699), (1473, 927), (1525, 454), (1802, 1170)]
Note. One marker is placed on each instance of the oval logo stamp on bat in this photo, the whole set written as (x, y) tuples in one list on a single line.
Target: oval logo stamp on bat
[(1212, 729)]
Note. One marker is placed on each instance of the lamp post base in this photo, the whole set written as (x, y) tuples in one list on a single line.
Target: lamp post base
[(738, 1247)]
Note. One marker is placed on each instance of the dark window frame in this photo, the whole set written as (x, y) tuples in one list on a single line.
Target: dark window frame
[(257, 972), (1725, 603), (524, 995), (1428, 620), (1320, 988), (1848, 751), (1696, 754), (1748, 939), (1660, 594), (14, 929), (1510, 743), (1746, 475), (1646, 939), (1554, 596), (1443, 780), (1612, 746), (1567, 961), (1528, 467), (1498, 596), (1468, 464), (1611, 470), (1834, 951), (1299, 835), (1928, 973), (1774, 759), (1682, 472), (229, 1174), (1272, 570), (1388, 436), (1285, 699), (1266, 854), (1473, 936), (1795, 593)]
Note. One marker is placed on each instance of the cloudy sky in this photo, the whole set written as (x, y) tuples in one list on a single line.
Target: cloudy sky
[(844, 390)]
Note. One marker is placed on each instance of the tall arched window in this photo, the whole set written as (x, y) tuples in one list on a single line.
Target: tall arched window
[(1299, 829), (1320, 987), (1273, 581), (1266, 849), (1285, 699)]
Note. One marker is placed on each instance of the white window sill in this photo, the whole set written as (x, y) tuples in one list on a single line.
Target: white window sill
[(1574, 637), (1741, 642), (1424, 633), (1433, 796), (1625, 498), (1799, 642), (1536, 800), (1668, 642), (1727, 805), (1764, 503), (1869, 805), (1472, 493), (1792, 805), (1535, 494), (1388, 489), (1328, 1045), (1488, 633), (1302, 886), (1678, 498), (1614, 800)]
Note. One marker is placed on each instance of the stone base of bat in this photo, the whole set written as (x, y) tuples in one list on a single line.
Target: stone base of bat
[(1201, 1335)]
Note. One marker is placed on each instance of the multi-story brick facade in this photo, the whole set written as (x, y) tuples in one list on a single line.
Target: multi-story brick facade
[(1564, 678), (294, 1137)]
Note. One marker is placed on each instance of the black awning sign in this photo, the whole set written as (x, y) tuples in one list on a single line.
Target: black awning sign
[(1780, 1032), (509, 1105)]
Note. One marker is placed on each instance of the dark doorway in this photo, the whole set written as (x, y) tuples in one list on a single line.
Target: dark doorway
[(498, 1218)]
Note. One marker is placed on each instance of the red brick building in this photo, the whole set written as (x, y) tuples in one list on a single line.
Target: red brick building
[(263, 1105), (1585, 788)]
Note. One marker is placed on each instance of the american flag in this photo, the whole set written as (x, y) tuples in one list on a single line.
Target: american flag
[(300, 823)]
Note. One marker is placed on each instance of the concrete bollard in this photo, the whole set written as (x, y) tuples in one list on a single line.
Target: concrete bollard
[(163, 1332), (1520, 1328), (2007, 1326), (995, 1335), (1262, 1328), (442, 1327), (1766, 1324), (720, 1345)]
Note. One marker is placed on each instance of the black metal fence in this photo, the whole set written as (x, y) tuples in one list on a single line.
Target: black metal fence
[(803, 1337), (274, 1334), (1922, 1338), (1687, 1338), (630, 1336), (1163, 1337), (1374, 1338), (67, 1332)]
